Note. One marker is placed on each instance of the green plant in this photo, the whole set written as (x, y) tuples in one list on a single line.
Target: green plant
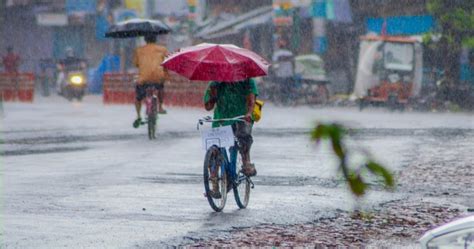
[(336, 133), (455, 24)]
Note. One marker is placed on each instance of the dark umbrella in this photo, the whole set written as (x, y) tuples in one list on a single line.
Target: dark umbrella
[(137, 27)]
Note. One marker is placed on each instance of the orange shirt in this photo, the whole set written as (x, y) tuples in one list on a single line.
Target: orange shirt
[(148, 59)]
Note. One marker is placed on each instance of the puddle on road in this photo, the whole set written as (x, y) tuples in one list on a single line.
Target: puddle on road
[(24, 152), (295, 181)]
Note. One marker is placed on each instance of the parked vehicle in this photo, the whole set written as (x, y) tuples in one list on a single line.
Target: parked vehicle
[(309, 71), (389, 71), (307, 87), (455, 234)]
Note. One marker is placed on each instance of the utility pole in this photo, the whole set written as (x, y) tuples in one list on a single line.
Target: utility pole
[(3, 6)]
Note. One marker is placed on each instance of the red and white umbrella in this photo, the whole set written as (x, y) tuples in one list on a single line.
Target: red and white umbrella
[(216, 62)]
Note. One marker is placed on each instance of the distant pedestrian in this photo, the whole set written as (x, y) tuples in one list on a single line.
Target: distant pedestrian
[(11, 61)]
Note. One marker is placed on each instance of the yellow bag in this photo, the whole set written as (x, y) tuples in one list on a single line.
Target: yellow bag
[(257, 110)]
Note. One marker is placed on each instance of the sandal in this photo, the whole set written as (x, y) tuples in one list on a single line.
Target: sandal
[(249, 170), (137, 123), (215, 193)]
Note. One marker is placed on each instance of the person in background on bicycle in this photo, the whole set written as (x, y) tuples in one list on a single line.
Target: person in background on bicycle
[(232, 99), (148, 59)]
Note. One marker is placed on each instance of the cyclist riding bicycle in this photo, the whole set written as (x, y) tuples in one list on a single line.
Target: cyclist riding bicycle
[(148, 59), (231, 99)]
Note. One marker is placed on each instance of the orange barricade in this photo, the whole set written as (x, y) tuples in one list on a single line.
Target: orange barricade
[(120, 89), (17, 86)]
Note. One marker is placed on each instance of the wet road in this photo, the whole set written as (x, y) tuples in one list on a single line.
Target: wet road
[(76, 175)]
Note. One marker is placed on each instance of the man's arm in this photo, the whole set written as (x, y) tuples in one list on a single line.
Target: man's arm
[(209, 105), (250, 106)]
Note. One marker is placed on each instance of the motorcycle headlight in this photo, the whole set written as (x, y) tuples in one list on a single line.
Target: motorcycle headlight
[(77, 80)]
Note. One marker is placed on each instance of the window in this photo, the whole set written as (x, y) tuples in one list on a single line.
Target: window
[(399, 56)]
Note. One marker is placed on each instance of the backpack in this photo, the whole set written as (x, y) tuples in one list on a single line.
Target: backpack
[(257, 110)]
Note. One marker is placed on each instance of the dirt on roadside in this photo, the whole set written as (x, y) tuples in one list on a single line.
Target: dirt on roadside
[(401, 222)]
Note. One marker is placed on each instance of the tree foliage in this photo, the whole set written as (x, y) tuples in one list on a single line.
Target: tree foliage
[(335, 133), (455, 18)]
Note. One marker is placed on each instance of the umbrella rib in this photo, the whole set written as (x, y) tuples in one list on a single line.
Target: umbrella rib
[(223, 51), (233, 66), (245, 61), (198, 63)]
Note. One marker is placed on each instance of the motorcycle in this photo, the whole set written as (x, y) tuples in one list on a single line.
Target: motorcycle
[(72, 81), (74, 86)]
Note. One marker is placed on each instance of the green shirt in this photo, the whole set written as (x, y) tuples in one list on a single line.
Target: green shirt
[(231, 99)]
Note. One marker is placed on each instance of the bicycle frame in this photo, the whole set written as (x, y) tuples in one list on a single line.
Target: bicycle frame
[(150, 94), (151, 103), (230, 164)]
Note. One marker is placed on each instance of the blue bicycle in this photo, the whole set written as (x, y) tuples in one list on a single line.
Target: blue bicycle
[(222, 174)]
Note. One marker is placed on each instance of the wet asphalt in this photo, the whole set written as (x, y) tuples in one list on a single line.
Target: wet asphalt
[(106, 189)]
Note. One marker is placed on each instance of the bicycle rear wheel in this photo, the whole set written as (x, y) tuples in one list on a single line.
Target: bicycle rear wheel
[(152, 117), (215, 178), (241, 185), (151, 127)]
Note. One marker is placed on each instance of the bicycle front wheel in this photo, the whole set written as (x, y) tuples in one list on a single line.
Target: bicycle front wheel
[(241, 186), (215, 178)]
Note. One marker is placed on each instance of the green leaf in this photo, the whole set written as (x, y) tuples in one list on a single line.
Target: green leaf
[(317, 132), (379, 170), (356, 184), (337, 148), (468, 42)]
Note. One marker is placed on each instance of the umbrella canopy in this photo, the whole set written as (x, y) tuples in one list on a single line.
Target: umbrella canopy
[(225, 63), (137, 27)]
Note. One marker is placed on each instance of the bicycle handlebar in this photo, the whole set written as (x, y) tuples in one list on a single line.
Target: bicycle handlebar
[(208, 119)]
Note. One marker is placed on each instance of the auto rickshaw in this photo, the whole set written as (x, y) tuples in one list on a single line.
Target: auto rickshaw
[(310, 73), (389, 71)]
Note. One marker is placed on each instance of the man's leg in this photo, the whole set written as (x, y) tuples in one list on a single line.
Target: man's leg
[(243, 132), (161, 96), (139, 96), (138, 108)]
